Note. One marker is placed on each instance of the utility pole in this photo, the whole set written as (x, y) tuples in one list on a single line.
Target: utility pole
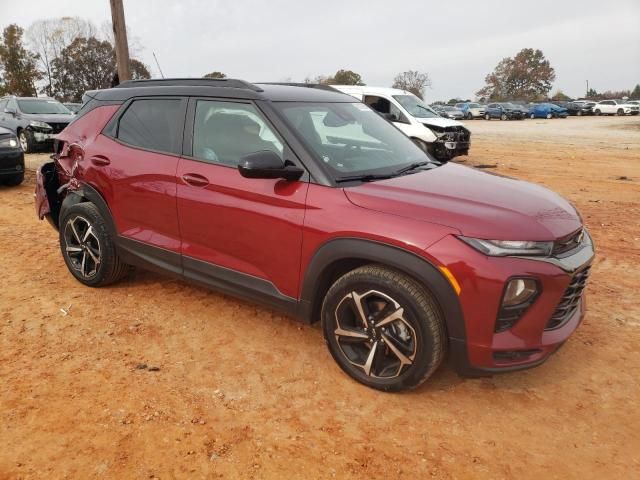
[(587, 95), (120, 38)]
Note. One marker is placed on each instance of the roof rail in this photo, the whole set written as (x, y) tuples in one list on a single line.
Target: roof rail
[(198, 82), (319, 86)]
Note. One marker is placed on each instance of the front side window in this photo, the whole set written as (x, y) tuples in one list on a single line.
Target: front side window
[(152, 124), (351, 139), (42, 106), (415, 106), (224, 132)]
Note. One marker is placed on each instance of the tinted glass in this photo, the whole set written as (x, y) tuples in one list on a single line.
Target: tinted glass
[(153, 125), (224, 132), (350, 138), (42, 106)]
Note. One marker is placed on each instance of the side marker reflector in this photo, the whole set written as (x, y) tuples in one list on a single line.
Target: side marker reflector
[(452, 280)]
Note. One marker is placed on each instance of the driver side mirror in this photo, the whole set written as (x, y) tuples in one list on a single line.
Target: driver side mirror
[(267, 164)]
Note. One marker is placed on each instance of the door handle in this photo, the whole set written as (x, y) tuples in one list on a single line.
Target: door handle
[(100, 160), (195, 180)]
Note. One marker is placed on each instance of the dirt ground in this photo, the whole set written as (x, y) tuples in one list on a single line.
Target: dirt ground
[(243, 392)]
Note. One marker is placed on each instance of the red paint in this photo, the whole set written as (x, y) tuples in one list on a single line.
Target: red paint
[(271, 228)]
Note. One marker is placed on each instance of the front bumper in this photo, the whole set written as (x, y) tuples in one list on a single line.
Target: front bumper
[(533, 338), (11, 161)]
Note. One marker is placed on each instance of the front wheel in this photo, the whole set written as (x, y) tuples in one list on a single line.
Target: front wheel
[(383, 328), (549, 116), (469, 116), (87, 247), (579, 113), (25, 137), (503, 116), (620, 112), (597, 112)]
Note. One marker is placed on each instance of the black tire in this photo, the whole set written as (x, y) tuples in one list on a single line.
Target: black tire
[(579, 113), (549, 116), (25, 137), (487, 116), (96, 244), (469, 116), (533, 115), (14, 180), (409, 347), (597, 112), (620, 112), (503, 116)]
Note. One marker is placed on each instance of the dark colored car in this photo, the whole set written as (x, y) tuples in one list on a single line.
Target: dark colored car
[(34, 120), (576, 108), (310, 202), (547, 110), (11, 158), (503, 111)]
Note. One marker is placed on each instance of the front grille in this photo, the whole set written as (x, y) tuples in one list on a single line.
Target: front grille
[(570, 300), (568, 243), (58, 127)]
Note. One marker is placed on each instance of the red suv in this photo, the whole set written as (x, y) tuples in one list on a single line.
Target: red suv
[(309, 202)]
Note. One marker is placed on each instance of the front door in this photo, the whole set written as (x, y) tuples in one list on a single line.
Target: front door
[(242, 232)]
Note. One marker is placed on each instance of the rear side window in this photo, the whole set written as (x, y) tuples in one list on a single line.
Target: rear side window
[(152, 124)]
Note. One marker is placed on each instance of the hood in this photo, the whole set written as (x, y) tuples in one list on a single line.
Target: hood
[(440, 122), (477, 204), (62, 118)]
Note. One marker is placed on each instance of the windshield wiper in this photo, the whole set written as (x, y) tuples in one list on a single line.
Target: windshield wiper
[(369, 177), (413, 166)]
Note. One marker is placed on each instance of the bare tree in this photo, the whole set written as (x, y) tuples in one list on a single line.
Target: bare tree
[(49, 37), (413, 81)]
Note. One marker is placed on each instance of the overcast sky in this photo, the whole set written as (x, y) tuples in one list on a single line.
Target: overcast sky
[(457, 43)]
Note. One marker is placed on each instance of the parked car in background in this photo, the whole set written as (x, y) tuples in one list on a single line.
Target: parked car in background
[(547, 110), (11, 158), (503, 111), (452, 112), (442, 137), (615, 107), (471, 110), (35, 121), (309, 202), (73, 107)]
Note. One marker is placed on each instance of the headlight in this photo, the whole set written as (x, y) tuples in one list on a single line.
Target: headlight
[(11, 142), (37, 124), (503, 248)]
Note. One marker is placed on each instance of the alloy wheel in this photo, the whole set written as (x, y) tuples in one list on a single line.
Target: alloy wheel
[(82, 246), (22, 138), (373, 333)]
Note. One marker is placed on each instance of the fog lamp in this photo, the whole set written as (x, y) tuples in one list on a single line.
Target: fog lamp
[(519, 291)]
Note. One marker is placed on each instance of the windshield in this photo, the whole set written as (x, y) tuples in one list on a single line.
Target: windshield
[(350, 139), (415, 107), (41, 106), (473, 105), (509, 105)]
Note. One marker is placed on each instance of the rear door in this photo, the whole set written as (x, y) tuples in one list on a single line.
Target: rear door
[(245, 233), (134, 164)]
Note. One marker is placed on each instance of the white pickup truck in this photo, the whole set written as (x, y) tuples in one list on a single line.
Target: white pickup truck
[(441, 137), (615, 107)]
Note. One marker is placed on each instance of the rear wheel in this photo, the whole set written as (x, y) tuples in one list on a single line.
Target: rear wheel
[(469, 116), (579, 113), (533, 115), (597, 111), (87, 247), (383, 328), (487, 116)]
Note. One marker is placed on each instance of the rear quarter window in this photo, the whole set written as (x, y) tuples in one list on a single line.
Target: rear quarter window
[(152, 124)]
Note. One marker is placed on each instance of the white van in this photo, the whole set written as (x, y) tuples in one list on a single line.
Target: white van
[(441, 137)]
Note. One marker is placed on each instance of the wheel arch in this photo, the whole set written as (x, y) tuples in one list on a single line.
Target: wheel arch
[(339, 256), (87, 193)]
